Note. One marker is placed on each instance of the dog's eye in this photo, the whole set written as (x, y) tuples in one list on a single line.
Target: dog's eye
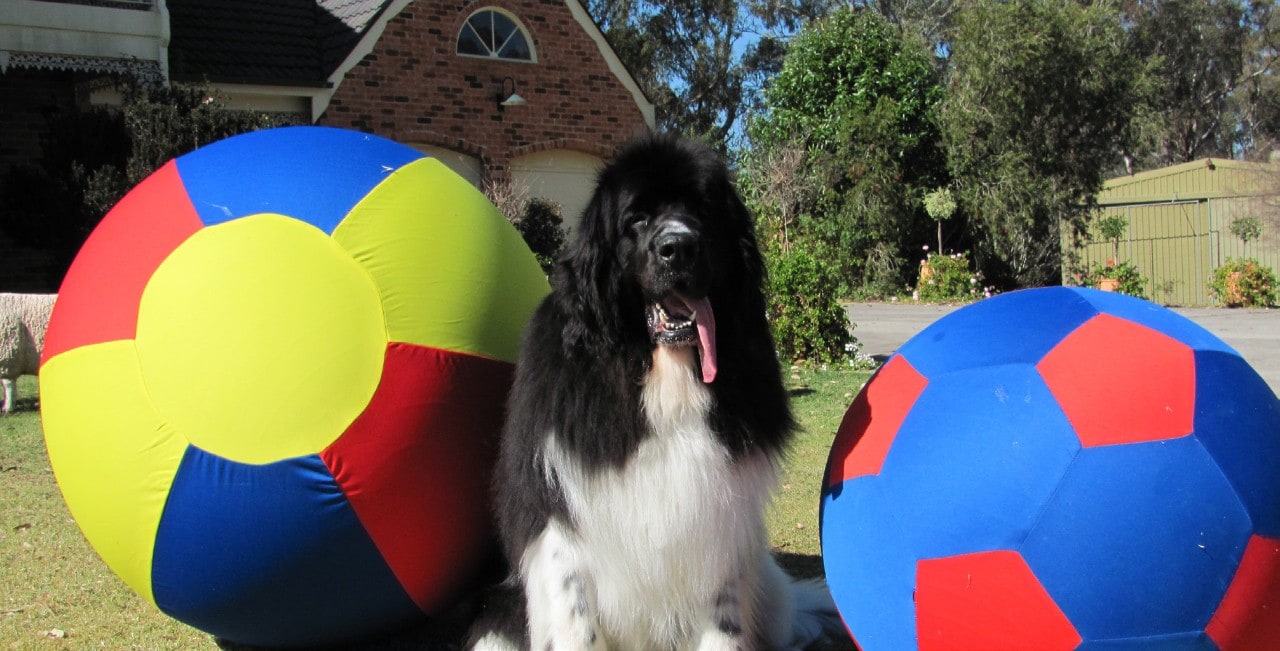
[(637, 222)]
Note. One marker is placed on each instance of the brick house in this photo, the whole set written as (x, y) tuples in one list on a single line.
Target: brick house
[(432, 74)]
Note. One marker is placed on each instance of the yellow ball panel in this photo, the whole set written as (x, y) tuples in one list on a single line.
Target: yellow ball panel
[(113, 455), (260, 339), (452, 272)]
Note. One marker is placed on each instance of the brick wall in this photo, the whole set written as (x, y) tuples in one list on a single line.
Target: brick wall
[(414, 88)]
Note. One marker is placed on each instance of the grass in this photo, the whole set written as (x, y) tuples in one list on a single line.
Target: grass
[(54, 590), (55, 593)]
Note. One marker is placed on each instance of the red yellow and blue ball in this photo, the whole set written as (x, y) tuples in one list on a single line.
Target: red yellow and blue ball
[(273, 381), (1058, 469)]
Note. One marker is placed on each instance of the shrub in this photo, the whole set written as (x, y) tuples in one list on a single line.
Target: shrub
[(947, 279), (1243, 282), (940, 205), (542, 228), (1112, 228), (809, 324), (1246, 228), (1129, 280)]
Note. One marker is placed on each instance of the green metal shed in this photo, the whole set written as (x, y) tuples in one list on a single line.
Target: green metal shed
[(1179, 224)]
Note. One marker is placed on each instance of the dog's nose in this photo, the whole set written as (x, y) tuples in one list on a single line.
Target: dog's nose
[(676, 249)]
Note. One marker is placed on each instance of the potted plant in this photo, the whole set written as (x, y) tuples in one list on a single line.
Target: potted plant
[(1244, 282), (1121, 277)]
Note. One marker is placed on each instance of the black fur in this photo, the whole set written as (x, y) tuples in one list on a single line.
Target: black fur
[(586, 349)]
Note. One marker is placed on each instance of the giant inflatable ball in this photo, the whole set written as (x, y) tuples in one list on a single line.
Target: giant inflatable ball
[(1058, 469), (274, 379)]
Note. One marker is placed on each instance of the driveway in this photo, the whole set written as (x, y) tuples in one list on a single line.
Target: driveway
[(1255, 334)]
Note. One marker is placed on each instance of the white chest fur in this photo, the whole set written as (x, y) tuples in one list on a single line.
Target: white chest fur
[(662, 536)]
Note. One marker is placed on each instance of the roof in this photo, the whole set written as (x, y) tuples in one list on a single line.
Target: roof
[(1208, 178), (283, 42)]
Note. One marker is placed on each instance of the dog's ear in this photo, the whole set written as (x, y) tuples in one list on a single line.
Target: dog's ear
[(747, 249), (588, 277)]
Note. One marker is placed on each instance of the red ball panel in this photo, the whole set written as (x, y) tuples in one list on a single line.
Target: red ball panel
[(862, 442), (1249, 615), (416, 467), (1120, 382), (100, 294), (990, 601)]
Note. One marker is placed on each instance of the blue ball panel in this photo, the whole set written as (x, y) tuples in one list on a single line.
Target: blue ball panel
[(1179, 642), (314, 174), (868, 568), (1150, 555), (1014, 328), (1238, 421), (271, 555), (978, 455)]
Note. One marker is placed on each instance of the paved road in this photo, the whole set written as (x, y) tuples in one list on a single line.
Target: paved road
[(882, 327)]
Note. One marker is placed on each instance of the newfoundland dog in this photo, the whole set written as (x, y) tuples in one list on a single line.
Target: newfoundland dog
[(645, 429)]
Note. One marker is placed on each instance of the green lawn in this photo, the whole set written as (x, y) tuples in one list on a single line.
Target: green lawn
[(56, 593)]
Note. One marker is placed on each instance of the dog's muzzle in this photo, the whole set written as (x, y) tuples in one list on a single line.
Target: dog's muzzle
[(680, 321)]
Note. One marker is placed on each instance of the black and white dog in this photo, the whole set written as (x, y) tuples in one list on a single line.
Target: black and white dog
[(645, 430)]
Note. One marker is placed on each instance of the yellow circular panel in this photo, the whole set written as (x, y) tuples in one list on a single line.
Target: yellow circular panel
[(260, 339)]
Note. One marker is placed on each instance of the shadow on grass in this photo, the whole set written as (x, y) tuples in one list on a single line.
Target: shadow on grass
[(26, 404), (448, 633), (801, 566)]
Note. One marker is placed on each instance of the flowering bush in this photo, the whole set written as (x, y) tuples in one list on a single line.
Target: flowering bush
[(1243, 282), (948, 278), (1123, 278)]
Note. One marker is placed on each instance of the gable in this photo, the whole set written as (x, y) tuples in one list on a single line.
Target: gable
[(611, 58)]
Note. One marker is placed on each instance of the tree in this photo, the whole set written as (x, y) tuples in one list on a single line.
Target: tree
[(682, 54), (1042, 99), (1256, 100), (860, 101), (930, 20), (940, 206), (702, 62), (1197, 49)]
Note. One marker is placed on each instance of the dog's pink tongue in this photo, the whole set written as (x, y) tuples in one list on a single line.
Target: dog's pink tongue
[(706, 322)]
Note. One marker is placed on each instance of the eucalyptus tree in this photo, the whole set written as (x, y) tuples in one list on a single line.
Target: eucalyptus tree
[(703, 62), (1042, 99)]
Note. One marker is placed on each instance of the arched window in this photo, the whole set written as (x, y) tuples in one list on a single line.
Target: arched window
[(492, 34)]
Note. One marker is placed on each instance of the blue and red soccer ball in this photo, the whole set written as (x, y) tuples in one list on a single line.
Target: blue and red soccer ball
[(1058, 469)]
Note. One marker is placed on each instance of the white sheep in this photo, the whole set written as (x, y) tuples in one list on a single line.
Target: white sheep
[(24, 318)]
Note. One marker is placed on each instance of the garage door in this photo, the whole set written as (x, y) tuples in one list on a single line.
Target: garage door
[(564, 176)]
